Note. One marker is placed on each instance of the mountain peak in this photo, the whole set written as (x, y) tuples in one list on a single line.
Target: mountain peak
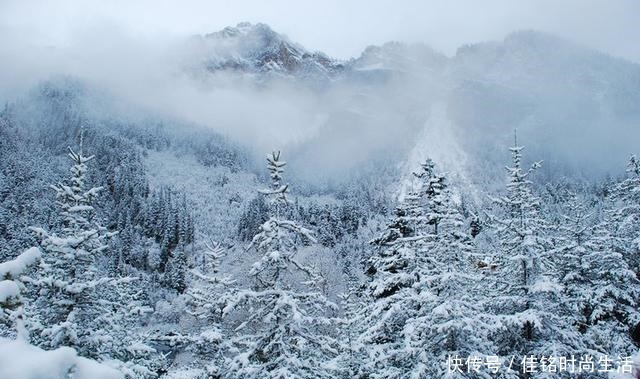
[(532, 43), (530, 37), (254, 48), (247, 30), (533, 58), (399, 56)]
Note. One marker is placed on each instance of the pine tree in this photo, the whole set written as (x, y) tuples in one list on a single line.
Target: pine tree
[(611, 298), (122, 340), (434, 194), (75, 305), (207, 295), (421, 308), (449, 320), (285, 328), (391, 295), (575, 235), (532, 293), (175, 275), (601, 289), (352, 359), (68, 301), (625, 215)]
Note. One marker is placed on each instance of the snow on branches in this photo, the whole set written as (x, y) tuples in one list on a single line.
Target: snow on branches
[(11, 288), (284, 328)]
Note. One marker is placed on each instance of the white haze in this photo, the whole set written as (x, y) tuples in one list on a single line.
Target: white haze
[(151, 74)]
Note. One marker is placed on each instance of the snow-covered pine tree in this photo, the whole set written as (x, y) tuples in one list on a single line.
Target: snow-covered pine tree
[(449, 320), (207, 293), (404, 227), (212, 284), (611, 299), (625, 215), (285, 328), (68, 302), (122, 340), (175, 273), (351, 359), (574, 236), (391, 294), (74, 303), (434, 194), (421, 308), (599, 286), (526, 268)]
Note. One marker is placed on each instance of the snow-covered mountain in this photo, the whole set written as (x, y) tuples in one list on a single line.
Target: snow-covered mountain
[(398, 57), (570, 102), (567, 102), (257, 49)]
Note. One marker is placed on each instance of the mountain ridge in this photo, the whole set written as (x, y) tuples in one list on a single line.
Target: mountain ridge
[(261, 49)]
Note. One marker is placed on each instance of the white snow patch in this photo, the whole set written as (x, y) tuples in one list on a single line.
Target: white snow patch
[(438, 142), (8, 290), (19, 360), (546, 284), (14, 268)]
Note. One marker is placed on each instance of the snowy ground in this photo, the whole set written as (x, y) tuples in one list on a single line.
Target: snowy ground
[(19, 360)]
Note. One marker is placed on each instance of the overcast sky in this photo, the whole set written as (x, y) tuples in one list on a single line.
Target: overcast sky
[(338, 27)]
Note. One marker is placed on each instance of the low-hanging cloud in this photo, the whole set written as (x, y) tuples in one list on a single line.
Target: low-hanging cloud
[(153, 75), (165, 77)]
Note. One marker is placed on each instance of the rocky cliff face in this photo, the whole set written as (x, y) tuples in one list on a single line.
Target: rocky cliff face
[(256, 49)]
